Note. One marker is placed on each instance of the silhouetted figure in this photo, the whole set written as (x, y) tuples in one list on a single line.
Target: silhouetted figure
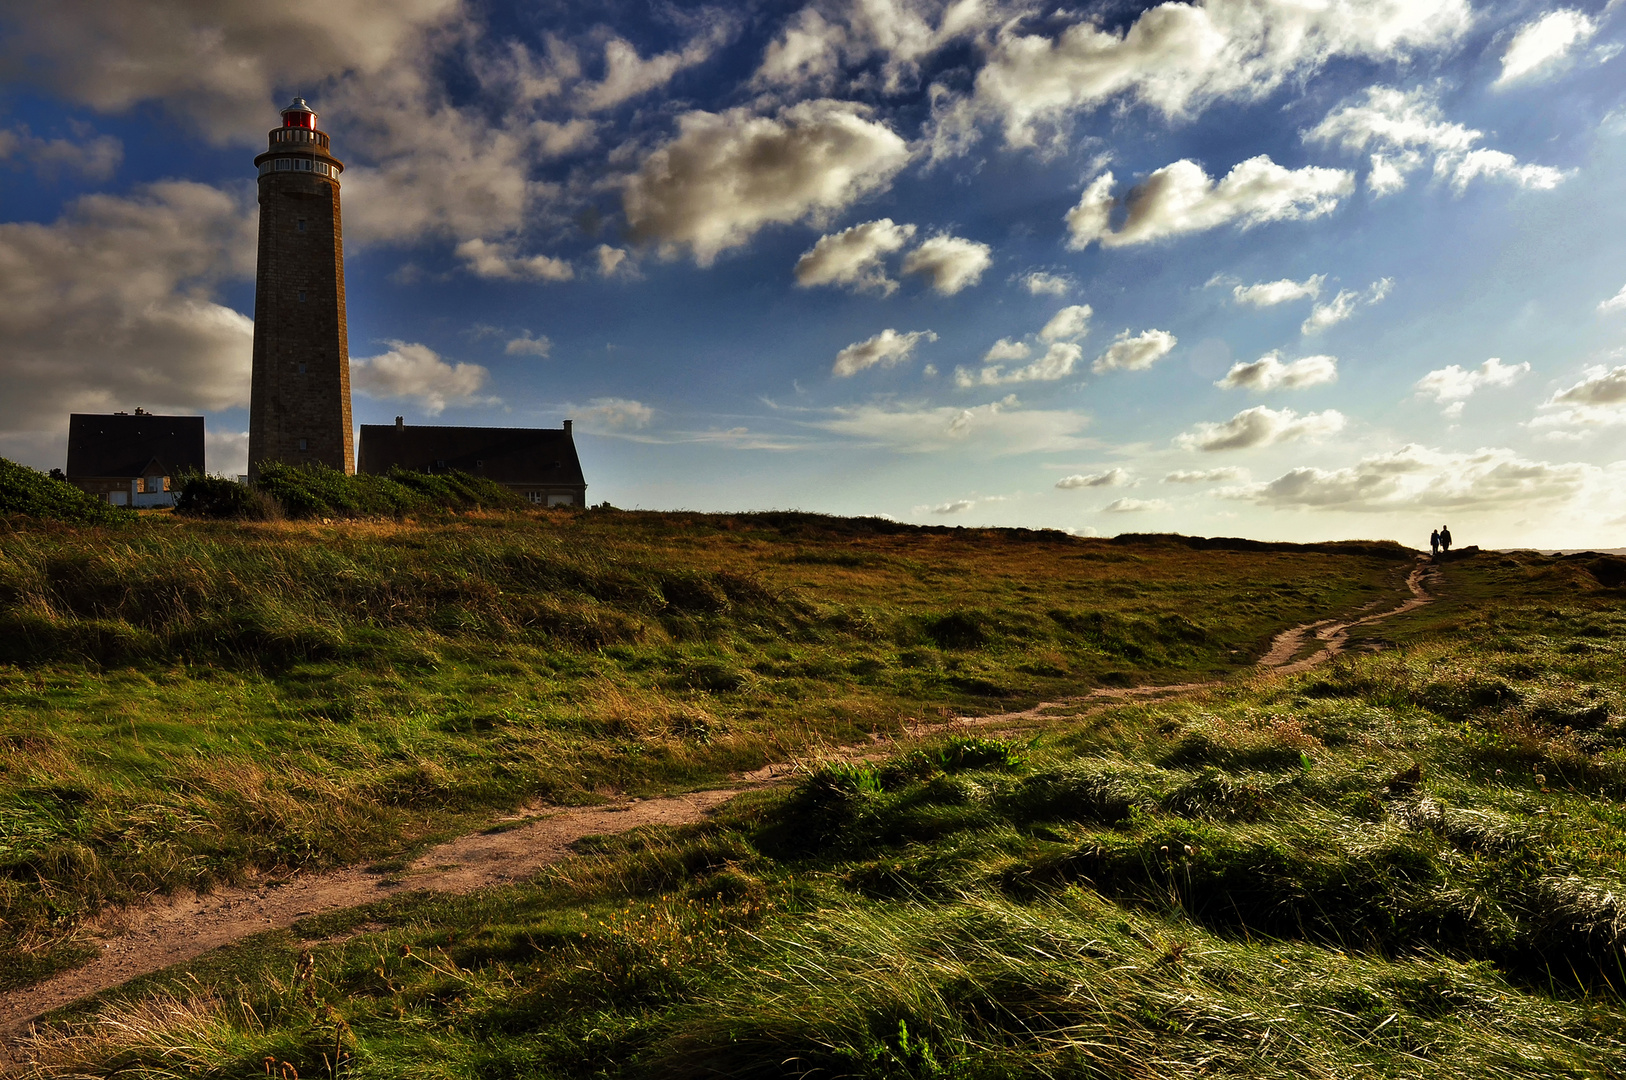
[(1445, 538), (1434, 543)]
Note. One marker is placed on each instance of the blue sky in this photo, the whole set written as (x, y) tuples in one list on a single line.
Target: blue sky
[(1291, 269)]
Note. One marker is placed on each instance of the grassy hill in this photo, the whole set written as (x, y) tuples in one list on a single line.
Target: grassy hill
[(186, 702), (1403, 863)]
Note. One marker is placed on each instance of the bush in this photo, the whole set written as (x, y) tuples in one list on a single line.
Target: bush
[(30, 493), (218, 497), (311, 491)]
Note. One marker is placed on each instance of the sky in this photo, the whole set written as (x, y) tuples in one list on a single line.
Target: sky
[(1287, 269)]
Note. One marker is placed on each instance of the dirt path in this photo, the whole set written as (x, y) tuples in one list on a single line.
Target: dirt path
[(181, 928)]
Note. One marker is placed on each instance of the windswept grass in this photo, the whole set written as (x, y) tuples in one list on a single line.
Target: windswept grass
[(189, 702), (1405, 863)]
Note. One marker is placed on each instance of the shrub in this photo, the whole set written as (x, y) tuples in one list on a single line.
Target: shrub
[(30, 493), (219, 497), (311, 491)]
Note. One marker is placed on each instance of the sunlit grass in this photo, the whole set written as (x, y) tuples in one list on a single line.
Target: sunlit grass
[(1402, 864)]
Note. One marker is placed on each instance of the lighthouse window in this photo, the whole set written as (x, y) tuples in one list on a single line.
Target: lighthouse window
[(300, 225), (303, 445), (302, 369), (301, 296)]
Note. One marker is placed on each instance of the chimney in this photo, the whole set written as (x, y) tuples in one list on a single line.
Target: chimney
[(399, 423), (567, 427)]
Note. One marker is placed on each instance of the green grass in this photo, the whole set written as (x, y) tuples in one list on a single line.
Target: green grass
[(185, 703), (1401, 864)]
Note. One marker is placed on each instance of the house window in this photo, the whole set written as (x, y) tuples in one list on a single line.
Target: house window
[(537, 496), (303, 444)]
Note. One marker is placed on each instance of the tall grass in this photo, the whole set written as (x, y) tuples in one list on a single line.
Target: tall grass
[(187, 703), (1403, 864)]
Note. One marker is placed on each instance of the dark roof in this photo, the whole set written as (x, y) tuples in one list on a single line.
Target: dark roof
[(125, 444), (506, 455)]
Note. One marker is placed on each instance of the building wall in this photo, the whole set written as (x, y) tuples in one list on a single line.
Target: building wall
[(127, 490), (301, 383)]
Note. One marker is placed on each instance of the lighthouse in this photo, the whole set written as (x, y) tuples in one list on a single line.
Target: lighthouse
[(299, 405)]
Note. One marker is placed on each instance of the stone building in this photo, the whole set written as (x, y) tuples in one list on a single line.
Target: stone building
[(132, 459), (299, 405), (537, 463)]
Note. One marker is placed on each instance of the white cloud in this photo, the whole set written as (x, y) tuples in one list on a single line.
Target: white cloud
[(1069, 323), (95, 157), (1402, 127), (627, 75), (1110, 478), (1419, 478), (854, 257), (1181, 198), (1600, 387), (1058, 362), (727, 175), (958, 506), (613, 261), (1005, 349), (496, 260), (1455, 384), (1260, 426), (809, 55), (950, 263), (1135, 353), (1040, 283), (412, 372), (1597, 401), (114, 305), (217, 63), (1498, 165), (1614, 303), (225, 453), (1271, 293), (1541, 46), (526, 345), (1134, 506), (1179, 57), (1269, 373), (612, 414), (886, 348), (1204, 476), (1344, 305), (999, 427)]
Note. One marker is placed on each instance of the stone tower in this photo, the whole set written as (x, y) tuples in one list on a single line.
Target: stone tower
[(299, 405)]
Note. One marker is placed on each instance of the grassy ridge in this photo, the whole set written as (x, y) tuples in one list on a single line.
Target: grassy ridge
[(185, 702), (1405, 863)]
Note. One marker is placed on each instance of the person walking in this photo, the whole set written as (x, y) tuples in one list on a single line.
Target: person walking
[(1445, 538), (1434, 544)]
